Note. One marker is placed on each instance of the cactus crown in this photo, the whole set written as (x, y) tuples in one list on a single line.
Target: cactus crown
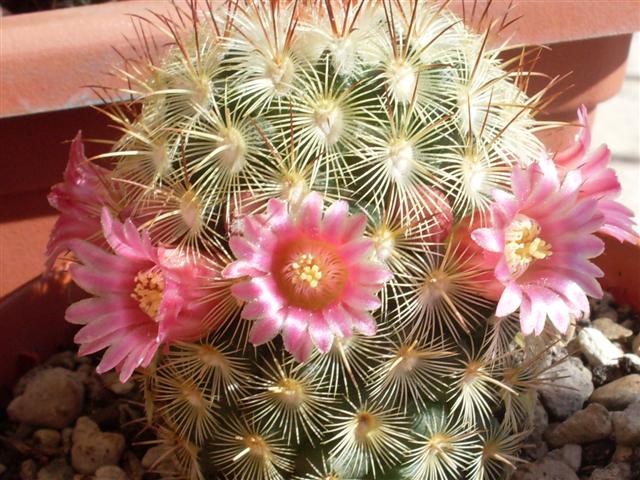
[(397, 108)]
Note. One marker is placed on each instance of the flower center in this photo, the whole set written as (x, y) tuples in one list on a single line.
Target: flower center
[(306, 269), (524, 245), (309, 273), (149, 285)]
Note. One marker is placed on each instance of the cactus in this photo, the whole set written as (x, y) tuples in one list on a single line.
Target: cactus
[(265, 113)]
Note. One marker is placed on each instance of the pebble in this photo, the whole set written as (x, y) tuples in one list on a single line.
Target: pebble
[(57, 469), (613, 471), (604, 374), (111, 380), (635, 345), (588, 425), (132, 466), (547, 468), (28, 470), (52, 398), (63, 359), (570, 454), (618, 394), (626, 425), (67, 434), (623, 454), (630, 363), (93, 448), (612, 330), (599, 452), (159, 459), (110, 472), (47, 437), (597, 349), (540, 421), (568, 387)]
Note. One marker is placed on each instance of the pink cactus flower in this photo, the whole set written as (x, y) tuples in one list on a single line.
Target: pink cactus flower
[(540, 243), (600, 182), (144, 297), (306, 275), (79, 199)]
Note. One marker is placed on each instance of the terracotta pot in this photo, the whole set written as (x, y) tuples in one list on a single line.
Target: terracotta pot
[(48, 59)]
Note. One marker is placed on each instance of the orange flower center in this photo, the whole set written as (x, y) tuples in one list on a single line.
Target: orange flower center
[(147, 291), (309, 273)]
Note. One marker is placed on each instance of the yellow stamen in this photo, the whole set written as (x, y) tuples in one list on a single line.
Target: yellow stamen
[(524, 245), (149, 285), (307, 270)]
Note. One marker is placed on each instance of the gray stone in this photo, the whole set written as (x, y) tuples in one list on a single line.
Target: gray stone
[(28, 470), (588, 425), (613, 471), (63, 359), (58, 469), (547, 468), (567, 388), (626, 425), (540, 421), (623, 453), (159, 459), (47, 437), (618, 394), (570, 454), (630, 363), (132, 466), (597, 349), (612, 330), (67, 434), (52, 398), (111, 380), (110, 472), (93, 448)]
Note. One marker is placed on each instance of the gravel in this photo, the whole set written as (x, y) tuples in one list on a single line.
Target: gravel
[(68, 423)]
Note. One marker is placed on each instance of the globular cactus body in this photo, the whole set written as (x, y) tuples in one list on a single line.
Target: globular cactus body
[(258, 110)]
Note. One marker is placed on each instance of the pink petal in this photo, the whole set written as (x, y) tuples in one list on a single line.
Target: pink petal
[(360, 298), (334, 220), (241, 248), (109, 323), (97, 258), (371, 274), (241, 268), (354, 228), (363, 322), (311, 213), (265, 329), (86, 310), (294, 331), (355, 250), (320, 333), (338, 320), (101, 282), (491, 239), (510, 300)]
